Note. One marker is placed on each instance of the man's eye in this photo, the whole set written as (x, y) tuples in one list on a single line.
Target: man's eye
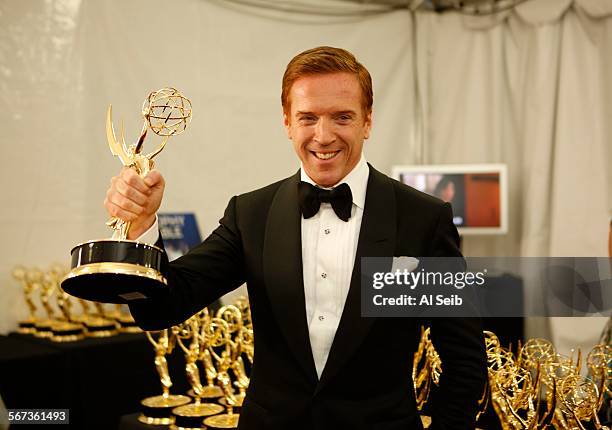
[(308, 119), (344, 118)]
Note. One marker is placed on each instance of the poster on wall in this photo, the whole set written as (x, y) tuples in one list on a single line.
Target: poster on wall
[(180, 233)]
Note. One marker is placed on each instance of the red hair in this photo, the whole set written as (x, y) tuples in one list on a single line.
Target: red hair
[(324, 60)]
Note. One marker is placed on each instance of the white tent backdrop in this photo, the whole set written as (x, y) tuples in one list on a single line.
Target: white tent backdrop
[(531, 88)]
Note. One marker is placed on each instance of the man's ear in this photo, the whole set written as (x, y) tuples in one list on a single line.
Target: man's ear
[(367, 125), (287, 124)]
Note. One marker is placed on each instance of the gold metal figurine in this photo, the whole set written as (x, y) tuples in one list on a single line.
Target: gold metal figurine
[(125, 319), (167, 113), (234, 318), (27, 326), (426, 368), (217, 333), (34, 279), (541, 388), (210, 391), (64, 329), (158, 409), (118, 270), (192, 415)]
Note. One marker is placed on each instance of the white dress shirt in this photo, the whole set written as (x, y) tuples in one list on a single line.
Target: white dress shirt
[(329, 246)]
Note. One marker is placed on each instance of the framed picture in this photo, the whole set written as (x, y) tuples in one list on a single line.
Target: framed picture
[(478, 193)]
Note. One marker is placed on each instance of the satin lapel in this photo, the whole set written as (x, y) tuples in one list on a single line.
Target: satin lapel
[(282, 265), (376, 239)]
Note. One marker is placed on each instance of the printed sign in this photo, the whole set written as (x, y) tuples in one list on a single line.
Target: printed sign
[(180, 233)]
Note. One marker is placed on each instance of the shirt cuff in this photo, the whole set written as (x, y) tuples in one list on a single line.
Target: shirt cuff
[(149, 237)]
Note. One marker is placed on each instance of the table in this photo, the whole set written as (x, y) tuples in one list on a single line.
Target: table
[(99, 380)]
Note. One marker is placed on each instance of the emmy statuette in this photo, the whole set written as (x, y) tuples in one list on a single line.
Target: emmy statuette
[(27, 326), (191, 416), (64, 329), (217, 335), (118, 270), (157, 410)]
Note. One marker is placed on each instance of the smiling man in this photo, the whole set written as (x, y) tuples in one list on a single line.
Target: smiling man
[(298, 245), (327, 116)]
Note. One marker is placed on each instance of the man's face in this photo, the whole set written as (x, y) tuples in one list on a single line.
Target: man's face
[(327, 125), (448, 192)]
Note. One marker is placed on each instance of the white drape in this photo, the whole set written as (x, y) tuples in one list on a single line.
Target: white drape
[(531, 88)]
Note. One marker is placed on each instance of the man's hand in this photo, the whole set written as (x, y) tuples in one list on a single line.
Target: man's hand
[(134, 199)]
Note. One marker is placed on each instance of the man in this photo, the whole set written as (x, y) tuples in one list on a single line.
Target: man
[(318, 364)]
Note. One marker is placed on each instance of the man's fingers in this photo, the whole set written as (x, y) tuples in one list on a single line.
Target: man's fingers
[(131, 178), (130, 198), (130, 192), (118, 212), (123, 202), (154, 178)]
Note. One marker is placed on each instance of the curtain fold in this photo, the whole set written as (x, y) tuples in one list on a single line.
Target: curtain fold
[(531, 89)]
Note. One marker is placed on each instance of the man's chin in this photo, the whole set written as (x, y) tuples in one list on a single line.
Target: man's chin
[(325, 177), (326, 180)]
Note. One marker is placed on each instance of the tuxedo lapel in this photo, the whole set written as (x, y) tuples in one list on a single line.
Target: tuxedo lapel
[(282, 265), (376, 239)]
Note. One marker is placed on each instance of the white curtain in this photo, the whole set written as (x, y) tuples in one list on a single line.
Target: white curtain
[(531, 88)]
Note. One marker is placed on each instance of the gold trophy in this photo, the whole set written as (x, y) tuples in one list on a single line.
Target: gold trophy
[(233, 317), (64, 328), (95, 326), (157, 410), (535, 389), (86, 311), (539, 377), (516, 392), (125, 320), (217, 335), (210, 390), (599, 362), (247, 343), (100, 327), (580, 399), (117, 270), (27, 326), (101, 311), (44, 327), (242, 303), (192, 415), (67, 330), (426, 370), (34, 283)]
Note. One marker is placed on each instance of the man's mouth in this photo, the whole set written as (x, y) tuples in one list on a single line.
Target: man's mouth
[(325, 155)]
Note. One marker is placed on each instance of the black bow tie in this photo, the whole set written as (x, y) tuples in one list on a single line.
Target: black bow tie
[(311, 197)]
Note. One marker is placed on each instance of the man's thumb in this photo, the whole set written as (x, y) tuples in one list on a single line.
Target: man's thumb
[(154, 179)]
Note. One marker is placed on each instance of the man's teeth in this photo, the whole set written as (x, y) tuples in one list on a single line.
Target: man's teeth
[(325, 155)]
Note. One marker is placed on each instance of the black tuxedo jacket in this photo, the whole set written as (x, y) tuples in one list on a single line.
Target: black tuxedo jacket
[(367, 381)]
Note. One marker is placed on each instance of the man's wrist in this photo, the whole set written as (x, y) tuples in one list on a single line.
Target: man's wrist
[(151, 235), (137, 230)]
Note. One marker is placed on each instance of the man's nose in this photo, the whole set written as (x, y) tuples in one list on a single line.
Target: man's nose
[(324, 132)]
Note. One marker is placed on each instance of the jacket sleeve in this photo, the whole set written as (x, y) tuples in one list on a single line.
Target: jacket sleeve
[(198, 278), (460, 343)]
